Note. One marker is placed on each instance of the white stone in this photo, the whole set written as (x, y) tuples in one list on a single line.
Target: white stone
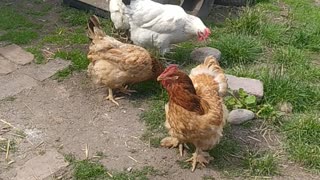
[(239, 116)]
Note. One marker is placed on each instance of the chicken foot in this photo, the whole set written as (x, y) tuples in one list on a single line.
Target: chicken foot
[(111, 97), (127, 91), (171, 142), (200, 157)]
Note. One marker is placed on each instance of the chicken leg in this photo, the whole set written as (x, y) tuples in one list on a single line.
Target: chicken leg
[(199, 157), (127, 91), (111, 98), (171, 142)]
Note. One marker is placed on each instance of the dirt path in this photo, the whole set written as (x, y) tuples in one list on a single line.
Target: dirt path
[(68, 115)]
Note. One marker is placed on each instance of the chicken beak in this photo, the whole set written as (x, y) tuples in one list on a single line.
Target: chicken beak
[(160, 78)]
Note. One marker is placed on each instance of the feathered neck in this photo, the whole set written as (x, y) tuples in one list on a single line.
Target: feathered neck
[(182, 92)]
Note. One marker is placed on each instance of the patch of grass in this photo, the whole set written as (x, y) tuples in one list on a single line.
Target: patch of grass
[(78, 58), (69, 158), (64, 36), (249, 21), (9, 15), (305, 38), (181, 54), (10, 98), (261, 164), (183, 164), (4, 145), (41, 10), (19, 36), (280, 88), (274, 34), (74, 16), (155, 117), (79, 62), (136, 174), (237, 49), (39, 58), (62, 74), (289, 56), (85, 170), (303, 139), (221, 152), (153, 138)]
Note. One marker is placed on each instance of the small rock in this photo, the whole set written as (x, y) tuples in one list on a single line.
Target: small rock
[(199, 54), (251, 86), (239, 116), (16, 54), (129, 169)]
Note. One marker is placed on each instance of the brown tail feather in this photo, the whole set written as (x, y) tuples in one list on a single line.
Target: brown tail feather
[(220, 77), (94, 27)]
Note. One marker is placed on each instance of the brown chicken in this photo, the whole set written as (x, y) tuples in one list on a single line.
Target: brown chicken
[(195, 112), (116, 64)]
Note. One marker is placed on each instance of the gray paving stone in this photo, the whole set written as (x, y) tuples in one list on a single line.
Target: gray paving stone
[(16, 54), (199, 54), (43, 71), (6, 66), (41, 166), (14, 83), (251, 86)]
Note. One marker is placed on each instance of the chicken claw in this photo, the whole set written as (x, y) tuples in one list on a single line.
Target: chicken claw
[(111, 98), (169, 142), (127, 91), (198, 157)]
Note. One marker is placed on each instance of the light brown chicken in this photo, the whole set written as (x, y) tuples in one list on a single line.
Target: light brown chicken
[(116, 64), (195, 112)]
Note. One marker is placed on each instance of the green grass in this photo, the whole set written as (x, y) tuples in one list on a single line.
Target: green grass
[(19, 36), (85, 170), (18, 29), (90, 170), (65, 36), (74, 17), (237, 49), (9, 15), (261, 164), (303, 139), (39, 58), (136, 174), (79, 62)]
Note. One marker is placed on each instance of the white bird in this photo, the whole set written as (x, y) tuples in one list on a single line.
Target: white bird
[(157, 25)]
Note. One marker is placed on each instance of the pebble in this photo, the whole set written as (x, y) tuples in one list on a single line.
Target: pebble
[(239, 116)]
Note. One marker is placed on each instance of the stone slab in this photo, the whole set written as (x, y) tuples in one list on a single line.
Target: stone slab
[(41, 166), (199, 54), (41, 72), (251, 86), (16, 54), (6, 66), (14, 83)]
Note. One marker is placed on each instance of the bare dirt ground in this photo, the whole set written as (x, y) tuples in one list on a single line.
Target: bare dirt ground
[(69, 115)]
